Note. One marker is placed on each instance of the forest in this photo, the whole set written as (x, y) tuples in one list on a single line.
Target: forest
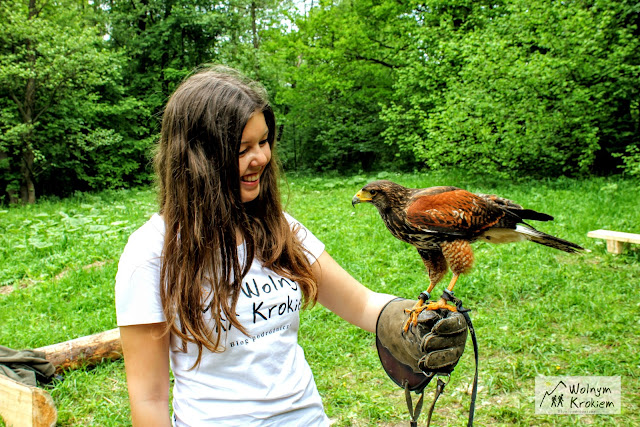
[(506, 89)]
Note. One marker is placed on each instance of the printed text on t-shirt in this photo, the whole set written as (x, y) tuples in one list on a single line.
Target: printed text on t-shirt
[(262, 312)]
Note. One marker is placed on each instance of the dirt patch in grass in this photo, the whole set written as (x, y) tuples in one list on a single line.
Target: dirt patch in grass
[(8, 289), (66, 271)]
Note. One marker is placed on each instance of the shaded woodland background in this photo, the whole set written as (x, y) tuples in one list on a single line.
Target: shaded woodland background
[(503, 88)]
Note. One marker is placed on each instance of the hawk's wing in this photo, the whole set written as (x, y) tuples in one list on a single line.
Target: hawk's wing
[(452, 211)]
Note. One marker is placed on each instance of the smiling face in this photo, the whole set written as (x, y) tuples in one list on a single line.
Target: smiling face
[(254, 156)]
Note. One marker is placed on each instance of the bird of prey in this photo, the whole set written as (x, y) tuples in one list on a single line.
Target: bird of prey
[(442, 222)]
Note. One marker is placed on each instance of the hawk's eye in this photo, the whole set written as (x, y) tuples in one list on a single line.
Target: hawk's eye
[(372, 192)]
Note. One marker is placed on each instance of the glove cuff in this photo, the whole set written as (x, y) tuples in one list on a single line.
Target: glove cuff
[(399, 372)]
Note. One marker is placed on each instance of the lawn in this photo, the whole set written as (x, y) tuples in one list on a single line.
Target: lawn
[(536, 311)]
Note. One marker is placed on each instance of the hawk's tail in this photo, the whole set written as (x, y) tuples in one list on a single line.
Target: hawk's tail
[(548, 240)]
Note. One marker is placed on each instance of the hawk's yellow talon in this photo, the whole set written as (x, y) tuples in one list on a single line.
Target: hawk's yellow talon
[(441, 303)]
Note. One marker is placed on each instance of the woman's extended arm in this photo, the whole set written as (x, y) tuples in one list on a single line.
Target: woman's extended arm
[(146, 360), (345, 296)]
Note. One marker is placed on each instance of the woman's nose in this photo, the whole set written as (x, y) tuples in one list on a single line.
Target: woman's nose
[(260, 156)]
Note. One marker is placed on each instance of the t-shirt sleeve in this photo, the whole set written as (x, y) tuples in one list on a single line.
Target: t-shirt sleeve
[(138, 279), (314, 247)]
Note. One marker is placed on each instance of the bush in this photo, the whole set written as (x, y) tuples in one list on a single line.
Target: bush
[(631, 160)]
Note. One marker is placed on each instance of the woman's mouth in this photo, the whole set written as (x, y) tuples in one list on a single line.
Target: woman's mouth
[(250, 186), (251, 179)]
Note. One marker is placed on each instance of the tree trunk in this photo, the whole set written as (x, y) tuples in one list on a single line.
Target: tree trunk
[(27, 188), (254, 27)]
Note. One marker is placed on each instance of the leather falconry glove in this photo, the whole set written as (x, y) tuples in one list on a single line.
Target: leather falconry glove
[(433, 346)]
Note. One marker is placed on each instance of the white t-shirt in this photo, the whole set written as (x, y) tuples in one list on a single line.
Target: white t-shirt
[(261, 379)]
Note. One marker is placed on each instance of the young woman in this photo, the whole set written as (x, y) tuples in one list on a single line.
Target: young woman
[(211, 286)]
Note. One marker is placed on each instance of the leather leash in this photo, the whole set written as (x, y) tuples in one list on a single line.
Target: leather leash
[(414, 413)]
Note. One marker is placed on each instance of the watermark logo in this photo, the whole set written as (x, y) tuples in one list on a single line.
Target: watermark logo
[(578, 395)]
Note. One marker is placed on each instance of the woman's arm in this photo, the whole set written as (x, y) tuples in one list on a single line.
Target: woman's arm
[(146, 360), (345, 296)]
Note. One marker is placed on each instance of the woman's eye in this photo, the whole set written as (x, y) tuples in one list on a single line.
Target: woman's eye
[(242, 152), (264, 141)]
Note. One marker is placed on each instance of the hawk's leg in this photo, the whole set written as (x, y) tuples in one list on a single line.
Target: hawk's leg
[(442, 303), (436, 265), (420, 305)]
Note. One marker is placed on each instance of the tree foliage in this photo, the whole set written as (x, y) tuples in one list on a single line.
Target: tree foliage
[(503, 87), (340, 74), (59, 85), (520, 87)]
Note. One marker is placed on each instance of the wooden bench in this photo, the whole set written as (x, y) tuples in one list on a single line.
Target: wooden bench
[(615, 239)]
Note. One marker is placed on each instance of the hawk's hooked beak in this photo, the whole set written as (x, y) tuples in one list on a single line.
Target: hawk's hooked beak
[(361, 197)]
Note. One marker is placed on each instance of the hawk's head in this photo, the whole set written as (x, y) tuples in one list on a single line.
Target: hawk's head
[(381, 194)]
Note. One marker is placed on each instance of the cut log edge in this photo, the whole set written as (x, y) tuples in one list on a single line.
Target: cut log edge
[(24, 405)]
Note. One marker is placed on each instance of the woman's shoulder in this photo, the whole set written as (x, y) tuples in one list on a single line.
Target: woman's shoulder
[(145, 243), (137, 284), (291, 220), (310, 242)]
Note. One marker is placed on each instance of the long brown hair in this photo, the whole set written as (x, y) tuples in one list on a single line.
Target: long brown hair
[(199, 195)]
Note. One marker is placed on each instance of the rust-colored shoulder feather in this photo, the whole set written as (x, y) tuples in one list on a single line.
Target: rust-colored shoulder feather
[(454, 211)]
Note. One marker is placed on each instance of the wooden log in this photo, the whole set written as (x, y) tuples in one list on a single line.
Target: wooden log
[(25, 406), (83, 351)]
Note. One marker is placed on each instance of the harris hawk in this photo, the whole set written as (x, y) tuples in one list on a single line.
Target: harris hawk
[(442, 222)]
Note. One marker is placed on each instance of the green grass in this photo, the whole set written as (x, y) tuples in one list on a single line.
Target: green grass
[(537, 311)]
